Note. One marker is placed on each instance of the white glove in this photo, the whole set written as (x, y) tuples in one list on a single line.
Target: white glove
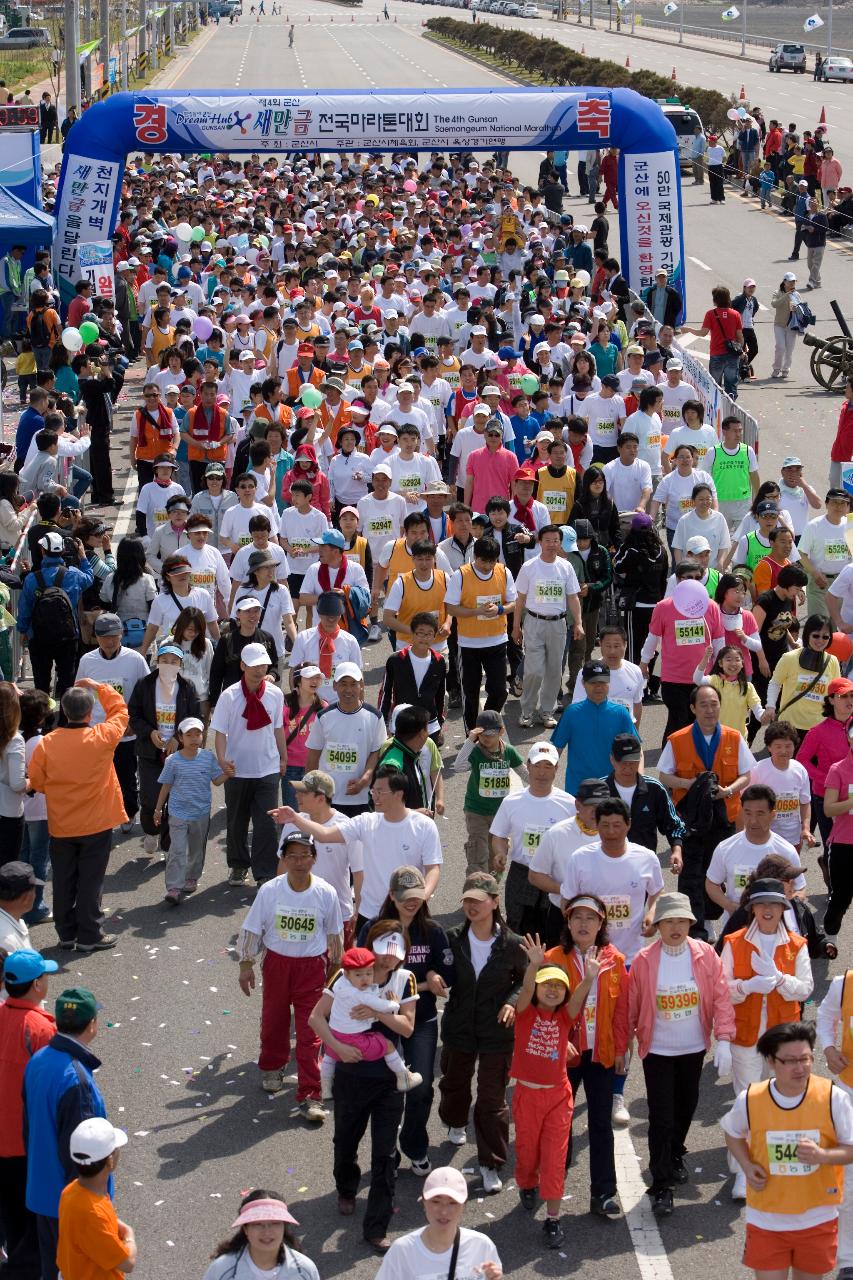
[(723, 1059), (763, 964), (759, 985)]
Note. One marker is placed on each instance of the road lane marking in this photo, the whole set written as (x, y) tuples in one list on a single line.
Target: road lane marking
[(128, 506), (699, 263), (642, 1227)]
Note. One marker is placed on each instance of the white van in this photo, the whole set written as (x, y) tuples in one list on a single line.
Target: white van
[(683, 120)]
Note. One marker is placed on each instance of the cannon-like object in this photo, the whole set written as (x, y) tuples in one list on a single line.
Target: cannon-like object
[(832, 358)]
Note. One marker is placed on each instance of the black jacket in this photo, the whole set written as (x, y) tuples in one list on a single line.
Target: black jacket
[(399, 685), (470, 1020), (636, 572), (513, 552), (672, 306), (225, 665), (142, 710), (652, 811), (604, 520), (598, 574)]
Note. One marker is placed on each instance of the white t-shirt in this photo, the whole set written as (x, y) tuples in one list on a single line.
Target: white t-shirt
[(735, 858), (675, 492), (481, 949), (556, 848), (306, 648), (602, 415), (345, 997), (239, 567), (275, 604), (381, 521), (409, 475), (253, 751), (674, 399), (523, 819), (345, 740), (623, 884), (298, 530), (842, 589), (354, 577), (649, 429), (209, 571), (164, 611), (627, 686), (792, 789), (714, 528), (409, 1259), (122, 673), (702, 438), (413, 842), (291, 923), (235, 523), (677, 1026), (625, 485), (334, 863), (151, 502), (547, 586)]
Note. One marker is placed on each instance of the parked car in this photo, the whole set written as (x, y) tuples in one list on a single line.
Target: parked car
[(836, 69), (529, 11), (26, 38), (684, 120), (788, 57)]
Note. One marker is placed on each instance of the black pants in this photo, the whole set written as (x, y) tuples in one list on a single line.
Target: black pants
[(799, 237), (491, 1111), (697, 850), (360, 1100), (453, 685), (597, 1082), (514, 657), (672, 1089), (483, 666), (100, 465), (750, 343), (79, 865), (526, 907), (44, 658), (197, 467), (820, 820), (840, 885), (125, 766), (717, 183), (250, 799), (11, 837), (149, 789), (676, 699), (144, 471), (19, 1225), (48, 1238)]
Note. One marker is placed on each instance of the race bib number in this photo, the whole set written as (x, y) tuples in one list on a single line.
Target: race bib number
[(653, 440), (483, 601), (205, 580), (494, 781), (529, 842), (740, 877), (787, 804), (118, 685), (618, 910), (549, 593), (244, 540), (381, 526), (782, 1152), (300, 548), (165, 721), (589, 1016), (160, 517), (674, 1004), (689, 631), (686, 504), (410, 484), (341, 756), (296, 926), (554, 499), (816, 694), (836, 551)]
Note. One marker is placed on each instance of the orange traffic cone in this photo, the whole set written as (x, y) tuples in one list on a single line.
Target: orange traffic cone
[(822, 119), (673, 76), (627, 62), (742, 94)]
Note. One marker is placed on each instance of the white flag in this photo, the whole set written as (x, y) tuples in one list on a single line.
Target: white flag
[(669, 8), (812, 23), (731, 14)]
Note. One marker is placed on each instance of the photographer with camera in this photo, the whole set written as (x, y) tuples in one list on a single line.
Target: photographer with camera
[(100, 387), (48, 611)]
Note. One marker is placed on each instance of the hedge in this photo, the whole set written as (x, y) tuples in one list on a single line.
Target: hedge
[(561, 65)]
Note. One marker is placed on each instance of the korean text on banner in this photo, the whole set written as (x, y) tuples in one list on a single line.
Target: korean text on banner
[(85, 212), (95, 262), (651, 200)]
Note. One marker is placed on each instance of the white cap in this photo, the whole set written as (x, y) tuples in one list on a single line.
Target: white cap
[(388, 428), (248, 602), (191, 722), (351, 670), (543, 751), (255, 655), (674, 363), (479, 330), (446, 1182), (95, 1139), (382, 470), (490, 391), (481, 411), (697, 544), (52, 543), (307, 672), (404, 386), (392, 944)]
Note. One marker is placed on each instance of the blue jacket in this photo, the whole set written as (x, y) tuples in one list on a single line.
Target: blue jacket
[(29, 424), (587, 730), (74, 584), (801, 208), (59, 1092), (580, 256)]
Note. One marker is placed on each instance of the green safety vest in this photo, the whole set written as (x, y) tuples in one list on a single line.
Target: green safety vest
[(711, 584), (730, 474), (755, 550)]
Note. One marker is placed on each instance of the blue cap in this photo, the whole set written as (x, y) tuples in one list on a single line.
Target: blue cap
[(507, 353), (569, 537), (331, 538), (184, 273), (169, 646), (70, 503), (27, 965)]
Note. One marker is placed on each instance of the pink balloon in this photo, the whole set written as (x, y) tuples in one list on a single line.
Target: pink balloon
[(202, 328), (410, 186), (691, 599)]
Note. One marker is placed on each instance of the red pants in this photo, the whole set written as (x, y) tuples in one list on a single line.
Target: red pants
[(296, 981), (542, 1118)]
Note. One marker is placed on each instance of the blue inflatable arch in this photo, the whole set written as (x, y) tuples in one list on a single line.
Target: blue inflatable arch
[(386, 121)]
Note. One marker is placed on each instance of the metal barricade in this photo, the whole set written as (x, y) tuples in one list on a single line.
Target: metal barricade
[(17, 640)]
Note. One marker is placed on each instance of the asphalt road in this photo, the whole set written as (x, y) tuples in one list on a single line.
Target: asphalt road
[(178, 1039)]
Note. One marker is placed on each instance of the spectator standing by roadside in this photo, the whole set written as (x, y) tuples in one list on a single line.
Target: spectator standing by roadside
[(698, 150), (815, 233)]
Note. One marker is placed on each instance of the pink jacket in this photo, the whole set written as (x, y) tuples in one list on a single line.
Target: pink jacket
[(823, 745), (830, 174), (715, 1005)]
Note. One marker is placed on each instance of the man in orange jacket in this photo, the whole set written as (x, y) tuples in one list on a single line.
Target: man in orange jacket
[(74, 768)]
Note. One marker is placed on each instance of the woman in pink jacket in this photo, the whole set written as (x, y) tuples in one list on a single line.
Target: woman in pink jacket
[(824, 745), (829, 177), (677, 997)]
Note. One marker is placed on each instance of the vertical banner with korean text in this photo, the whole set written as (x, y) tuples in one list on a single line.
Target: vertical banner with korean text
[(86, 214), (95, 263), (651, 218)]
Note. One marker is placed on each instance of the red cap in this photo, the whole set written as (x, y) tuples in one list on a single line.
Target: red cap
[(524, 473), (839, 685), (357, 958), (305, 412), (305, 349)]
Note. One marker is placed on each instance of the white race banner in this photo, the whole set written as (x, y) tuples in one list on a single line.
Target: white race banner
[(95, 261), (85, 213)]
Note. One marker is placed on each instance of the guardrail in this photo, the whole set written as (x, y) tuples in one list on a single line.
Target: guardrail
[(16, 645)]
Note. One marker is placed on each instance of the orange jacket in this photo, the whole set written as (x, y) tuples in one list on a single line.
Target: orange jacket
[(294, 382), (748, 1013), (611, 1002), (688, 764), (74, 768)]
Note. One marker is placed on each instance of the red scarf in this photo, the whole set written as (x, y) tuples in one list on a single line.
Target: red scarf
[(255, 713), (524, 514), (327, 648), (324, 578)]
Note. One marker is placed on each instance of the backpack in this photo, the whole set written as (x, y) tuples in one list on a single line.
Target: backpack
[(53, 619), (39, 332)]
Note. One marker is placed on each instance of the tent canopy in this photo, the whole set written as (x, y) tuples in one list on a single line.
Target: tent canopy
[(20, 223)]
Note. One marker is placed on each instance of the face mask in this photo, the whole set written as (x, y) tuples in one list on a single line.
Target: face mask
[(167, 674)]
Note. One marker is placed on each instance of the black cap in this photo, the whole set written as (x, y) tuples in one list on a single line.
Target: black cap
[(591, 790), (767, 891), (626, 747), (610, 380), (330, 604), (15, 878), (596, 671), (583, 529)]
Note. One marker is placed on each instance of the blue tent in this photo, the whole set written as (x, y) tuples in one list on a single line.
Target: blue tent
[(20, 223)]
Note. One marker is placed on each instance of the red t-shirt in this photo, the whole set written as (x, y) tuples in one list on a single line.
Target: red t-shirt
[(842, 445), (722, 324), (541, 1045)]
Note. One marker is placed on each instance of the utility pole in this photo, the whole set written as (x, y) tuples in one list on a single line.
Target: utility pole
[(829, 31), (72, 68), (121, 46), (142, 40), (105, 40)]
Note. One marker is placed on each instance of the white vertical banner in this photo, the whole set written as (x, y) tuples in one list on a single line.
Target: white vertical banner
[(650, 192), (85, 214), (95, 262)]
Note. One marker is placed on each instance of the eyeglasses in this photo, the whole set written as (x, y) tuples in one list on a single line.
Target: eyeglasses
[(796, 1062)]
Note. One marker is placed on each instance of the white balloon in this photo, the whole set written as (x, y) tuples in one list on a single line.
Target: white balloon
[(72, 340), (252, 256), (584, 277), (731, 114), (183, 231)]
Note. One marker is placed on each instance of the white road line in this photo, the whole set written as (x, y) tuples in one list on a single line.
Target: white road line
[(128, 507), (649, 1249), (700, 263), (242, 66)]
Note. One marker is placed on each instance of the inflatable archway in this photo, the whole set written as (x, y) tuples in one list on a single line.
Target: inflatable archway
[(384, 121)]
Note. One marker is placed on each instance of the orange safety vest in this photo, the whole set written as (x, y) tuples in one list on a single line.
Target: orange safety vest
[(295, 382), (331, 420), (847, 1027), (159, 342), (688, 764), (418, 599), (358, 550), (215, 432), (152, 438), (748, 1013), (774, 1132), (400, 562), (608, 987), (477, 592), (280, 414)]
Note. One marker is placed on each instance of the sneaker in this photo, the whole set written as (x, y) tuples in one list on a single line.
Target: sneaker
[(525, 722), (619, 1114), (550, 722), (421, 1167), (408, 1080), (311, 1109), (455, 699), (149, 844), (172, 898), (528, 1197), (457, 1136), (272, 1081), (237, 876), (605, 1206), (67, 944), (190, 887), (552, 1230), (374, 633), (127, 827), (39, 917), (662, 1203), (491, 1180), (679, 1172), (515, 687), (739, 1186), (104, 943)]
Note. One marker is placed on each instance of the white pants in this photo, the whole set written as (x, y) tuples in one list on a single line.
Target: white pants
[(784, 339), (544, 645), (748, 1067)]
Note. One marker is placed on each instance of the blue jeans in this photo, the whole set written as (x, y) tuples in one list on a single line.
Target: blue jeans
[(184, 478), (81, 481), (293, 773), (724, 370), (35, 850), (419, 1055)]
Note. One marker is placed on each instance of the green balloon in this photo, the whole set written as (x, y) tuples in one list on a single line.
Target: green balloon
[(89, 332), (264, 242), (197, 235), (310, 396), (529, 384)]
